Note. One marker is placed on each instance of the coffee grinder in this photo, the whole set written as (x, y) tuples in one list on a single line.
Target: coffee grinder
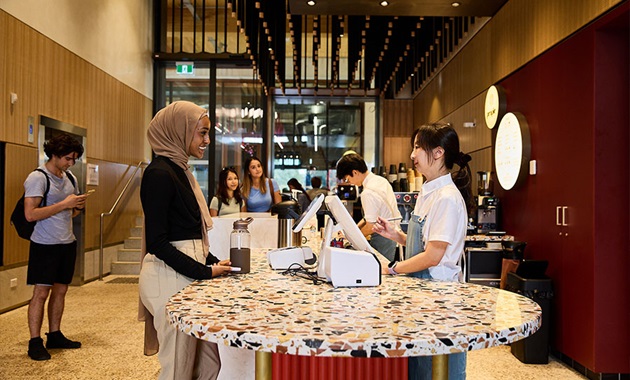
[(488, 208)]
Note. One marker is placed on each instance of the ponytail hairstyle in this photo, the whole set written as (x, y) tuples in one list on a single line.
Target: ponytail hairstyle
[(430, 137)]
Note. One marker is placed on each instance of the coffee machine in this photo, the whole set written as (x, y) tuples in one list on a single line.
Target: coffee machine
[(488, 207)]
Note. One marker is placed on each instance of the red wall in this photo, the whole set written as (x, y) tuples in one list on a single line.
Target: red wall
[(575, 99)]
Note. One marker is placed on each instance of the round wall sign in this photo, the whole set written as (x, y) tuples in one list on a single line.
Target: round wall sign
[(512, 150), (494, 106)]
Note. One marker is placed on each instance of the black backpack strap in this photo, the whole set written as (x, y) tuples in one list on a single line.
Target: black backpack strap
[(47, 187), (72, 180)]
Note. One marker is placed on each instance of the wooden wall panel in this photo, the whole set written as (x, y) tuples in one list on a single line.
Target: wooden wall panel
[(520, 31), (396, 150), (52, 81), (398, 124), (23, 161), (397, 118)]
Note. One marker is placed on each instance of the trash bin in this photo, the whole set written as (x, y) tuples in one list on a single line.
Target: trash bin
[(535, 348), (511, 258)]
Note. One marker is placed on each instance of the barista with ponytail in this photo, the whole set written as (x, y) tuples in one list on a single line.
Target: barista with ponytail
[(437, 228)]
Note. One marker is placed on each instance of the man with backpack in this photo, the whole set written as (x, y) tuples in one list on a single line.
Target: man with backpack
[(52, 199)]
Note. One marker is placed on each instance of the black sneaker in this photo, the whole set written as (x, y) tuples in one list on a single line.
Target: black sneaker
[(57, 340), (36, 350)]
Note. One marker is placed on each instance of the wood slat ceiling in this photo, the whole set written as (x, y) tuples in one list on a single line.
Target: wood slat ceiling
[(337, 45)]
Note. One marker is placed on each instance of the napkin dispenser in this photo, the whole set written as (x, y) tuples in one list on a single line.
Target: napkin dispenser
[(349, 268), (282, 258)]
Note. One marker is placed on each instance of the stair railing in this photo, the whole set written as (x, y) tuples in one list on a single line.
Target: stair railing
[(111, 211)]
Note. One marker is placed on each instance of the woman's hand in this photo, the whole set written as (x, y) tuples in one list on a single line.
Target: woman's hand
[(220, 270)]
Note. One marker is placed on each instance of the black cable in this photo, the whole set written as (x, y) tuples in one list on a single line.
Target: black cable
[(297, 270)]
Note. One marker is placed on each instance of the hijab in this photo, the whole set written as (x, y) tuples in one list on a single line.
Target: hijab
[(170, 133)]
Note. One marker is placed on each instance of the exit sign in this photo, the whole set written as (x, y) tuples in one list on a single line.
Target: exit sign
[(184, 68)]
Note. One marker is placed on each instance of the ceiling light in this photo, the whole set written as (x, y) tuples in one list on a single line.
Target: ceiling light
[(384, 3), (310, 2), (455, 4)]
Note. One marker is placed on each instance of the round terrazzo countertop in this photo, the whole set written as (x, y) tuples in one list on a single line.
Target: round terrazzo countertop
[(404, 316)]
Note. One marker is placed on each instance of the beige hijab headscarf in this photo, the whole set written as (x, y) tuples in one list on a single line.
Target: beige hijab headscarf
[(170, 133)]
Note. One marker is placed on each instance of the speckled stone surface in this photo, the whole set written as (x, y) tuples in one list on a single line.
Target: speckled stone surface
[(265, 310)]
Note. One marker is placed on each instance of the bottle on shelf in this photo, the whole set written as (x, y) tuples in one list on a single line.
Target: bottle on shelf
[(392, 177), (382, 172), (402, 178)]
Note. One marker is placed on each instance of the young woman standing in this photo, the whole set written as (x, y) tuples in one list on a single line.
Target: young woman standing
[(259, 191), (228, 199), (437, 229), (176, 238)]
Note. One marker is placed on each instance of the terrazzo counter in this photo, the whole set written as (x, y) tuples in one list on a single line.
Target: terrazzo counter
[(404, 316)]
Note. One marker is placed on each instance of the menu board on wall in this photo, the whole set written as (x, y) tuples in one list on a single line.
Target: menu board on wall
[(512, 150)]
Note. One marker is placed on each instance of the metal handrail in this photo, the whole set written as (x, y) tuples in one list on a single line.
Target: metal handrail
[(104, 214)]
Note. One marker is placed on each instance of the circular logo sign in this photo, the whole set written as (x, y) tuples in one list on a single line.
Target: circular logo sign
[(511, 149), (494, 106)]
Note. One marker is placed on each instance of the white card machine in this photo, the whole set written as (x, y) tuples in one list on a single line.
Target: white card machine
[(282, 258)]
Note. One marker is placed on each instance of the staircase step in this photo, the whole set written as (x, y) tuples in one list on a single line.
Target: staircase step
[(129, 255), (133, 242), (139, 220), (122, 267), (135, 231)]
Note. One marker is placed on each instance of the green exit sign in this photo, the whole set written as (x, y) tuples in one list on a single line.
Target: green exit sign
[(184, 68)]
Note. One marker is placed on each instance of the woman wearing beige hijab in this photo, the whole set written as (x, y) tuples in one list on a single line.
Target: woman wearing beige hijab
[(176, 239)]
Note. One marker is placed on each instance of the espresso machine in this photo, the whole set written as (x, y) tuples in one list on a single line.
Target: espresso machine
[(488, 207), (406, 202)]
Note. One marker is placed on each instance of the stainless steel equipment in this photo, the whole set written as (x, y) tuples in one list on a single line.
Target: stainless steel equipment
[(483, 266), (406, 202), (288, 212), (485, 185), (488, 215)]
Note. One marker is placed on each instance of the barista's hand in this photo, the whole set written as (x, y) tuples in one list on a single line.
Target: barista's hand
[(220, 270), (226, 263), (384, 228)]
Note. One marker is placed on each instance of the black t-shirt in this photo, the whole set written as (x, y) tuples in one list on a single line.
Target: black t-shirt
[(171, 213)]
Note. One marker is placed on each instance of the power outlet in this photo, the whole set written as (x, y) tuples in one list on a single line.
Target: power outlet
[(13, 283)]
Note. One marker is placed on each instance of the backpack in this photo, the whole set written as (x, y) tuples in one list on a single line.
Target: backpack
[(23, 227)]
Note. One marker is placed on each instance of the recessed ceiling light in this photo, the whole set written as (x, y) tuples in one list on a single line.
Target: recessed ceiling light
[(310, 2), (384, 3), (455, 4)]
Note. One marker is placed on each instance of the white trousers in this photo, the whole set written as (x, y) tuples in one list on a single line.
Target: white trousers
[(181, 356)]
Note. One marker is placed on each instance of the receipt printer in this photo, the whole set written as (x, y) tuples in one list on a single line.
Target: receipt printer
[(282, 258), (349, 268)]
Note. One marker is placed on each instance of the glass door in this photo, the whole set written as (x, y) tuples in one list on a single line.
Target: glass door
[(236, 113)]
